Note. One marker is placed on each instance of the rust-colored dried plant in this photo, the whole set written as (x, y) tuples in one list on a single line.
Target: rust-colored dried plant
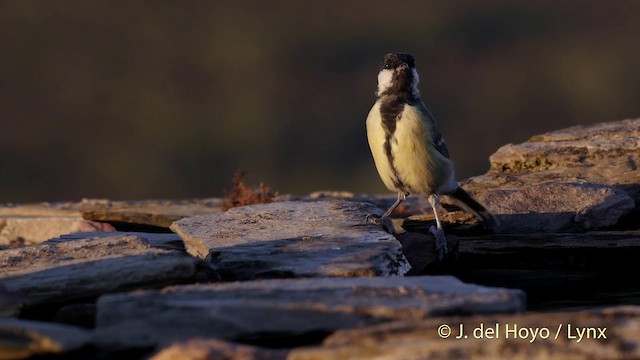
[(241, 194)]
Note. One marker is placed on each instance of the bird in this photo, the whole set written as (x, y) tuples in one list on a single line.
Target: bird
[(409, 151)]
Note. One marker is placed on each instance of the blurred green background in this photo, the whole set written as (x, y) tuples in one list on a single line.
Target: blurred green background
[(166, 99)]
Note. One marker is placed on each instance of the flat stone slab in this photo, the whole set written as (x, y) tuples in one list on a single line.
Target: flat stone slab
[(26, 230), (612, 333), (41, 209), (604, 153), (28, 224), (293, 239), (156, 213), (576, 179), (243, 310), (158, 240), (201, 349), (557, 207), (10, 302), (78, 269), (22, 339)]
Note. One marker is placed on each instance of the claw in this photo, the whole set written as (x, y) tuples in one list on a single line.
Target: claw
[(384, 221), (371, 218), (441, 242)]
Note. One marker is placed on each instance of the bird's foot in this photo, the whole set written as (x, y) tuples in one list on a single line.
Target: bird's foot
[(371, 218), (384, 221), (441, 242)]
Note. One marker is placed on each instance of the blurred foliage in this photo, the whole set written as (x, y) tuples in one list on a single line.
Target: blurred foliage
[(166, 99)]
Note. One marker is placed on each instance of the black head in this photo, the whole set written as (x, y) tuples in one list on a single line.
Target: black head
[(398, 77), (395, 60)]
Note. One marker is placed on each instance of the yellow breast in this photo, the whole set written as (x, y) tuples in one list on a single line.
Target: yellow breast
[(415, 162)]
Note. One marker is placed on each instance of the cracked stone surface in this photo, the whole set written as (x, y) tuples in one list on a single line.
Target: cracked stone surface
[(576, 179), (240, 310), (47, 273), (293, 239), (612, 334)]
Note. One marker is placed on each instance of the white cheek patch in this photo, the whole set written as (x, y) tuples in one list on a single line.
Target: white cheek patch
[(416, 80), (385, 80)]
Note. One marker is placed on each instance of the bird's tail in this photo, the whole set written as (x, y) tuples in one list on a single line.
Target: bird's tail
[(472, 205)]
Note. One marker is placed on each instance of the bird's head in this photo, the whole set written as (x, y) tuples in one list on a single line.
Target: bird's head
[(398, 75)]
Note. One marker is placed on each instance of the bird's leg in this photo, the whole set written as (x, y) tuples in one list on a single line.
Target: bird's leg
[(401, 197), (385, 219), (438, 232)]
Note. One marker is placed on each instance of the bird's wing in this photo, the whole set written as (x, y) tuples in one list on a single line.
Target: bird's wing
[(436, 136)]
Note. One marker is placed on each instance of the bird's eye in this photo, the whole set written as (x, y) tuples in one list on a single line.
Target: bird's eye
[(387, 66)]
